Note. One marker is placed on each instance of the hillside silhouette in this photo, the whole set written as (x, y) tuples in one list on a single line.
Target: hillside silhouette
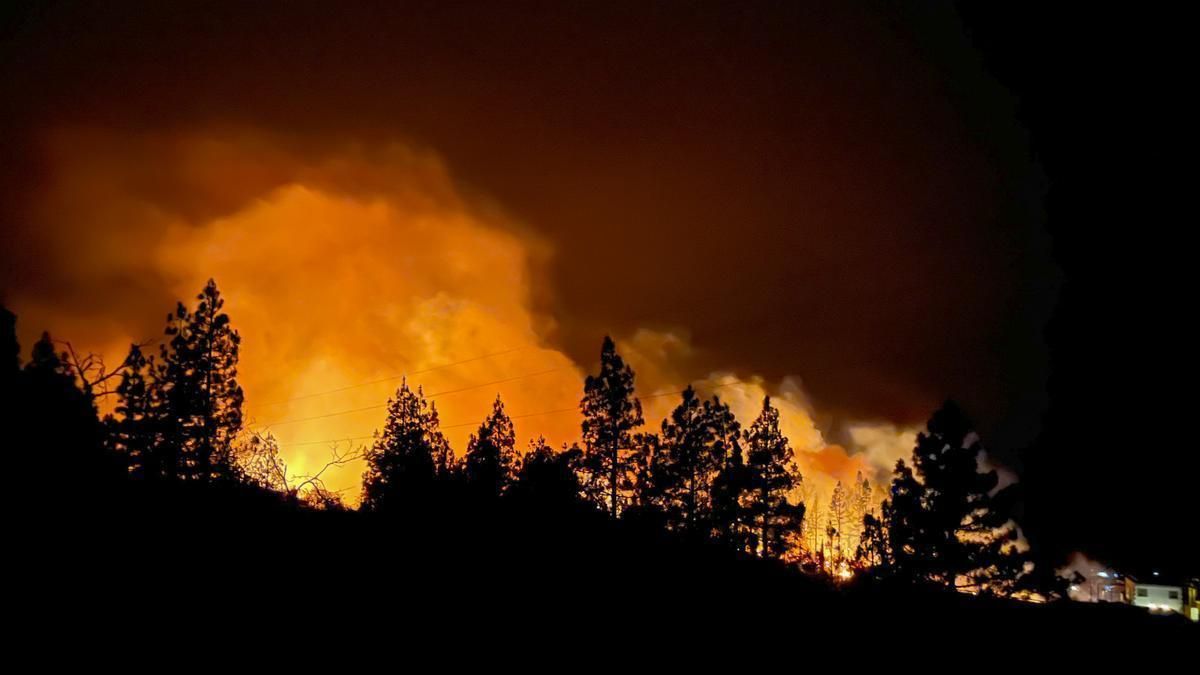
[(169, 509)]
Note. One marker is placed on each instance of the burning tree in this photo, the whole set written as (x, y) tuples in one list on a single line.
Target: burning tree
[(839, 519)]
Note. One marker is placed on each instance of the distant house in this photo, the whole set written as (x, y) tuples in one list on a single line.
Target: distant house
[(1160, 593), (1157, 597)]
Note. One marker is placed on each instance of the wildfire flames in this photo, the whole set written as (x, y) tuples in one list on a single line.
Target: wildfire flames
[(345, 268), (844, 573)]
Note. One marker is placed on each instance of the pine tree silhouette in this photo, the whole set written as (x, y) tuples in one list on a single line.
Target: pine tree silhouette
[(903, 545), (133, 431), (60, 429), (491, 460), (772, 475), (402, 461), (687, 440), (610, 414), (545, 478), (200, 396), (873, 551), (729, 485), (946, 522), (647, 465), (731, 517), (445, 467), (696, 439), (966, 542)]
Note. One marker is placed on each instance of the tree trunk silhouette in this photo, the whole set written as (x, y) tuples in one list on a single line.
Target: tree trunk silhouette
[(612, 483)]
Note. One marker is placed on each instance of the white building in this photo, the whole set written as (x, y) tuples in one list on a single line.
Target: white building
[(1157, 597)]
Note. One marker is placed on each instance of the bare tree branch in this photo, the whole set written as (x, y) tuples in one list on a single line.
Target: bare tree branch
[(90, 369)]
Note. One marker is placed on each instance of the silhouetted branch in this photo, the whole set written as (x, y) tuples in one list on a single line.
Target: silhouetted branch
[(314, 480), (261, 463), (90, 369)]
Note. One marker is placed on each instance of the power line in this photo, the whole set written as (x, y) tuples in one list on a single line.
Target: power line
[(429, 397), (329, 440), (391, 378), (515, 417)]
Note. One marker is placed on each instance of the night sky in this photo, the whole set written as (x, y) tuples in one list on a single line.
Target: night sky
[(885, 202)]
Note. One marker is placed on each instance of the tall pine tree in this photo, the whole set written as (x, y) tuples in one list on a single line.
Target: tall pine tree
[(133, 431), (772, 476), (729, 483), (201, 398), (402, 463), (947, 523), (491, 460), (903, 544), (610, 414), (969, 542), (692, 460)]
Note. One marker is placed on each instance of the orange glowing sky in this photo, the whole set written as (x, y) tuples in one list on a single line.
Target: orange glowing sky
[(844, 204), (730, 191), (346, 272)]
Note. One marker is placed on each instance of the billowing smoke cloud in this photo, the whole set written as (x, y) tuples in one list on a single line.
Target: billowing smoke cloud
[(662, 357), (881, 444), (345, 267), (1095, 581)]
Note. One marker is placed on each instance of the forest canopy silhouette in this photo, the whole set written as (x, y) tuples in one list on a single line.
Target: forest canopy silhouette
[(703, 500), (831, 319), (704, 476)]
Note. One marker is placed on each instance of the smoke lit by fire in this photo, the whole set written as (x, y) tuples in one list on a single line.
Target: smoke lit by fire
[(345, 267)]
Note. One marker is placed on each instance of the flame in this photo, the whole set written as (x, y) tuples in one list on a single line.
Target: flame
[(844, 573)]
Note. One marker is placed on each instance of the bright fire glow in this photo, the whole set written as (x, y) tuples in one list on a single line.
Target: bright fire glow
[(344, 269)]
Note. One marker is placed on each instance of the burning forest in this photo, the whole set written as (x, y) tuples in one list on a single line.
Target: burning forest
[(693, 313)]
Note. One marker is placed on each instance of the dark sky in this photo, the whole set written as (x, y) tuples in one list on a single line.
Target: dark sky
[(847, 193)]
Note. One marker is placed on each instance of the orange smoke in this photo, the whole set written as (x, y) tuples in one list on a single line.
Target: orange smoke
[(345, 268)]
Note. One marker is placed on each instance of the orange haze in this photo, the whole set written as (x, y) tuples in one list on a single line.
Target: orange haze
[(344, 267)]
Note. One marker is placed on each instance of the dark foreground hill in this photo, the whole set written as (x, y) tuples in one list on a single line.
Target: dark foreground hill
[(170, 565)]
